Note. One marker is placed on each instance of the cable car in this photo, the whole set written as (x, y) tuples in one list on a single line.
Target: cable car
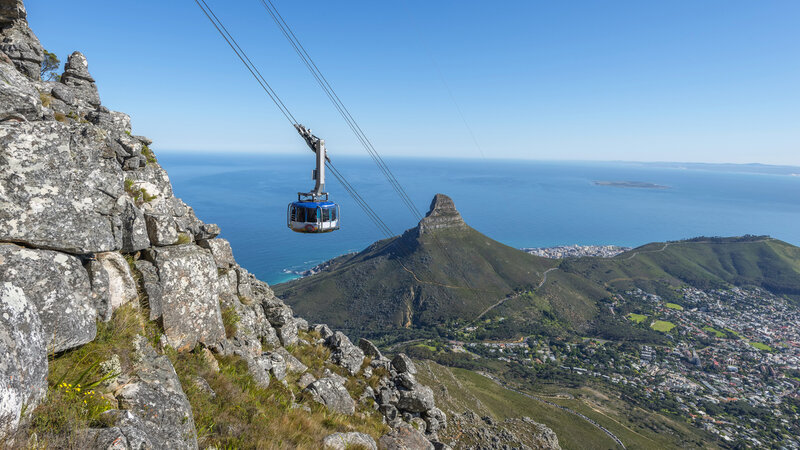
[(313, 212)]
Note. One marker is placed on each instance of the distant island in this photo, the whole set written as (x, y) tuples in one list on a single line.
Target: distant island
[(631, 184)]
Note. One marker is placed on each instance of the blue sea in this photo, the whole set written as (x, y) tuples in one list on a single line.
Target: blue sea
[(519, 203)]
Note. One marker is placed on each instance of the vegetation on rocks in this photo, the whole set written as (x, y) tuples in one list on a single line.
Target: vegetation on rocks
[(80, 381), (239, 413), (138, 194)]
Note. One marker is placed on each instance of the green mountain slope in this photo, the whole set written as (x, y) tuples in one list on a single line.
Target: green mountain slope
[(439, 271), (703, 262), (445, 274)]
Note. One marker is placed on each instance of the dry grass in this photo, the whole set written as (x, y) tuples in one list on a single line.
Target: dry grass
[(230, 320), (46, 99), (245, 415)]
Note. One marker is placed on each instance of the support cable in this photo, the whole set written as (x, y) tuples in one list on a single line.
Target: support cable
[(360, 201), (298, 47)]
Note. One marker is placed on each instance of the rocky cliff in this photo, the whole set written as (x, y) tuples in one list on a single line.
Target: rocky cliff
[(100, 261), (442, 214)]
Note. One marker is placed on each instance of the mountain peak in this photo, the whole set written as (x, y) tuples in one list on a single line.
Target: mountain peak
[(442, 214)]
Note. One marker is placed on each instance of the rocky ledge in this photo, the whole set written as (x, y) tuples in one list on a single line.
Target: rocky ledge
[(89, 224)]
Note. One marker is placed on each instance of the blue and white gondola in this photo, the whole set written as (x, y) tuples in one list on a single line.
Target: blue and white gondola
[(313, 212)]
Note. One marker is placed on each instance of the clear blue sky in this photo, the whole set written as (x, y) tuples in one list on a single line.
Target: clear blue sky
[(712, 81)]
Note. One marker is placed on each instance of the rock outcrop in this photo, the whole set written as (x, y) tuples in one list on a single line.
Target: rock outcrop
[(442, 214), (58, 285), (343, 441), (89, 224), (18, 41), (23, 356), (156, 398), (187, 280)]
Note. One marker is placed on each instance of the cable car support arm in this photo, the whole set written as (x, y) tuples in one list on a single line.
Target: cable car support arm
[(317, 145)]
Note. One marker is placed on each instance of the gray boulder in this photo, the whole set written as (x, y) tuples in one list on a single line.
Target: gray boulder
[(343, 441), (187, 276), (125, 427), (155, 396), (161, 229), (404, 437), (131, 426), (133, 225), (58, 285), (112, 283), (10, 11), (369, 349), (221, 250), (278, 315), (305, 380), (23, 356), (344, 353), (331, 392), (17, 95), (405, 380), (259, 368), (417, 400), (292, 364), (152, 287), (403, 363), (287, 334), (389, 412), (48, 206), (105, 439), (436, 419), (278, 364), (323, 330)]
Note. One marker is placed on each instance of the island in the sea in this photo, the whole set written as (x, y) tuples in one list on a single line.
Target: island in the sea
[(631, 184)]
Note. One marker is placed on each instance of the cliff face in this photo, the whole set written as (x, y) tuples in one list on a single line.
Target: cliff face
[(442, 214), (89, 226)]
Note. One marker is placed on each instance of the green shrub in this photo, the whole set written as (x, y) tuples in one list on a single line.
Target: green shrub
[(184, 238), (139, 195), (151, 157), (60, 117)]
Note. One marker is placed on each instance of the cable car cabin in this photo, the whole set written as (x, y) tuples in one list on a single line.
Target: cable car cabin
[(312, 217)]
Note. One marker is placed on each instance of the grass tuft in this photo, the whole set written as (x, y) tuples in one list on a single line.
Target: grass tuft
[(230, 319), (46, 99), (148, 153)]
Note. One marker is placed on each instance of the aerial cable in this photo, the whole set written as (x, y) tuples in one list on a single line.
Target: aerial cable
[(339, 105), (298, 47), (331, 93), (242, 55), (371, 214), (209, 13)]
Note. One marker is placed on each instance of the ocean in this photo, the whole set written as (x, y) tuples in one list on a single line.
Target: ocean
[(519, 203)]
